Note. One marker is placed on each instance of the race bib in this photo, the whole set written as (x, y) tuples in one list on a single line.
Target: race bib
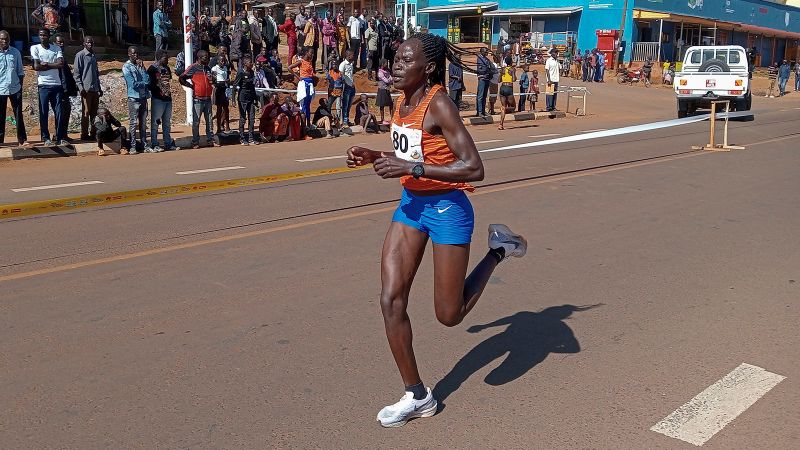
[(407, 143)]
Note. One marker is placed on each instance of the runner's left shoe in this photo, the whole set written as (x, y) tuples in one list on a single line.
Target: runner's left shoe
[(406, 409)]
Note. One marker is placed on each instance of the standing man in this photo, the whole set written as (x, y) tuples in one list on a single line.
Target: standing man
[(202, 86), (256, 32), (783, 77), (354, 31), (300, 22), (456, 83), (11, 77), (553, 73), (311, 42), (87, 79), (349, 90), (290, 30), (137, 80), (797, 76), (47, 60), (161, 105), (328, 39), (47, 16), (371, 42), (485, 71), (269, 30), (161, 25)]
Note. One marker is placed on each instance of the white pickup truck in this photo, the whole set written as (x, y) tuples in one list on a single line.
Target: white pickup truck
[(718, 72)]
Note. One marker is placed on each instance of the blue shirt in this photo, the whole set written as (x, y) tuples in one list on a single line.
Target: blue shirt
[(160, 21), (137, 80), (783, 72), (524, 81), (456, 75), (10, 71)]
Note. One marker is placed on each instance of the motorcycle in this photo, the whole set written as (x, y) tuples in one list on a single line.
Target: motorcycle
[(632, 76)]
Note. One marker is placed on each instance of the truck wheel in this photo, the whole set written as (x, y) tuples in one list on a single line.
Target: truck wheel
[(714, 65), (683, 109)]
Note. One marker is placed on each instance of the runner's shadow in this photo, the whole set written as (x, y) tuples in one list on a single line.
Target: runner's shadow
[(528, 339)]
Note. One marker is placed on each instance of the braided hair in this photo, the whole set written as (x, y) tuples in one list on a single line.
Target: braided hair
[(439, 50)]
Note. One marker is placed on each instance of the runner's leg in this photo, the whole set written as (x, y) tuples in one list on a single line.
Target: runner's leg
[(454, 296)]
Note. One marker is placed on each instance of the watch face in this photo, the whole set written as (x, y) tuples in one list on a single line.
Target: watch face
[(418, 171)]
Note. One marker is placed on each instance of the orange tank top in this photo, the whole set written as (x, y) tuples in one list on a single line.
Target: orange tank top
[(412, 143)]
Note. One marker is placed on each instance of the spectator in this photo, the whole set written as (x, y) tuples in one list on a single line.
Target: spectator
[(161, 25), (87, 79), (323, 118), (585, 76), (783, 76), (772, 74), (533, 91), (160, 76), (198, 78), (494, 83), (240, 38), (508, 76), (455, 84), (245, 85), (120, 22), (364, 117), (647, 68), (553, 74), (305, 84), (204, 29), (300, 21), (138, 92), (384, 98), (221, 35), (524, 85), (47, 61), (47, 16), (290, 30), (180, 63), (335, 91), (592, 66), (69, 87), (342, 34), (12, 75), (271, 30), (797, 76), (484, 70), (292, 118), (599, 73), (256, 31), (578, 65), (371, 42), (276, 64), (354, 31), (329, 39), (349, 88), (265, 79), (311, 40), (104, 123), (268, 122)]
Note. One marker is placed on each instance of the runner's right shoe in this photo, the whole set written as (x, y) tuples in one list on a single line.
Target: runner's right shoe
[(502, 236), (406, 409)]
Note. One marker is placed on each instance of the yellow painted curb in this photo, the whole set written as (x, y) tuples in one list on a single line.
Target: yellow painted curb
[(113, 198)]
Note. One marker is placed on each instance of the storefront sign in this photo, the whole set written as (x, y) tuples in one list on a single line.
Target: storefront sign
[(695, 4)]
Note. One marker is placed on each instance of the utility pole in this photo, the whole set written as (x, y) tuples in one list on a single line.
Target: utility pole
[(621, 33)]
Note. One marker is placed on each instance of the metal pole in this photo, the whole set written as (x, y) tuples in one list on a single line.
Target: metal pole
[(105, 17), (713, 120), (405, 19), (715, 34), (700, 34), (28, 23), (660, 30), (187, 53)]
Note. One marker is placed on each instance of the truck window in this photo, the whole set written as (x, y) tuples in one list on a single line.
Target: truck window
[(722, 55), (694, 58), (708, 54), (735, 57)]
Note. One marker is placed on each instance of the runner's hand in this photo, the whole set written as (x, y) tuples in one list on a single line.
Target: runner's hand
[(359, 156), (390, 166)]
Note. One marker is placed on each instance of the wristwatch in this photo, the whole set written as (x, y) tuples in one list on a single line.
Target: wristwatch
[(418, 171)]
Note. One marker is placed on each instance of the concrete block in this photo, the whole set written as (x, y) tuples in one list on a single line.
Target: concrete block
[(43, 152)]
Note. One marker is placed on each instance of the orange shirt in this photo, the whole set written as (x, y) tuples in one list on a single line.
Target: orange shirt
[(412, 143), (306, 69)]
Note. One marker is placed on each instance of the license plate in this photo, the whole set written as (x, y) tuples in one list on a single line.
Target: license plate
[(711, 83)]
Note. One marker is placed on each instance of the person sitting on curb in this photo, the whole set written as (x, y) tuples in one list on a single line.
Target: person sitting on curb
[(323, 118), (364, 117), (104, 123), (268, 121), (293, 118)]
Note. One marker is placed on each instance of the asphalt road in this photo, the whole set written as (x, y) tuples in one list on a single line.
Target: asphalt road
[(248, 318)]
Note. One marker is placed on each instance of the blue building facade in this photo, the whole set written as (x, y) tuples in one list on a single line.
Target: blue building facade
[(662, 29)]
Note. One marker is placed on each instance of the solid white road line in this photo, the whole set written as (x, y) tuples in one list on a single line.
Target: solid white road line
[(703, 416), (544, 135), (56, 186), (592, 131), (322, 159), (216, 169), (489, 141)]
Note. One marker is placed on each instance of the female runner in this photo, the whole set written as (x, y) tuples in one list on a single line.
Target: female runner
[(435, 159)]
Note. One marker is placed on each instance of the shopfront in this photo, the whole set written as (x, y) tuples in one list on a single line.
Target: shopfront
[(464, 23)]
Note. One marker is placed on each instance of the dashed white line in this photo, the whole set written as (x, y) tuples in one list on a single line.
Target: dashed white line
[(215, 169), (544, 135), (322, 158), (592, 131), (56, 186), (711, 410), (489, 141)]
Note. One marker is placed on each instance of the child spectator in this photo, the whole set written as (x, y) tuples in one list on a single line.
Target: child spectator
[(245, 84), (335, 87), (323, 118), (533, 90), (276, 64), (104, 123), (524, 83), (365, 118), (291, 116), (221, 74), (384, 98)]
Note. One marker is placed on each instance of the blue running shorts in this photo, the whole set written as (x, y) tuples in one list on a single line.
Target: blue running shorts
[(447, 218)]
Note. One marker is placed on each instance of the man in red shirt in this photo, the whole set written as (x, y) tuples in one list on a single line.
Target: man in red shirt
[(198, 78)]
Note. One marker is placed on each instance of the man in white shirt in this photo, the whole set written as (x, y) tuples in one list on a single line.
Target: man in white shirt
[(354, 26), (349, 90), (47, 60), (552, 71)]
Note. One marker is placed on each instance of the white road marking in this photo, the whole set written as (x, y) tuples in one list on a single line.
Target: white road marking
[(322, 159), (216, 169), (711, 410), (544, 135), (489, 141), (592, 131), (56, 186)]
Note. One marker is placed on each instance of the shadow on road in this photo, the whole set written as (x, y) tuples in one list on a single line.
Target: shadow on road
[(528, 339)]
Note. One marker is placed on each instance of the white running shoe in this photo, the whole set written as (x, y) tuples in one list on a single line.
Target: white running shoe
[(502, 236), (406, 409)]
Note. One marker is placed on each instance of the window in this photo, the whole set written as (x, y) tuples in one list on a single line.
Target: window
[(734, 58), (694, 58)]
